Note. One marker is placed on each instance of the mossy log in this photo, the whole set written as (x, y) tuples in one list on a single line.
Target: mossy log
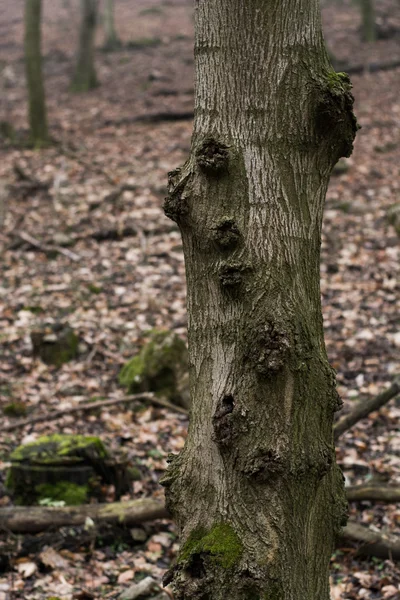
[(34, 519), (65, 468)]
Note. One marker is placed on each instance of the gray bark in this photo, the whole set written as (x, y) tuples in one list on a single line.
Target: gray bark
[(85, 77), (256, 492), (34, 77)]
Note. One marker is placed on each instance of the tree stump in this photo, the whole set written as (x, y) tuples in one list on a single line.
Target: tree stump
[(66, 468)]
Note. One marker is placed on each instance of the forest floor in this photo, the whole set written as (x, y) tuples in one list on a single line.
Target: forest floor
[(118, 271)]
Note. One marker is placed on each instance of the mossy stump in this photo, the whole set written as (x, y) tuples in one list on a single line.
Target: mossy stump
[(160, 367), (66, 468), (55, 344)]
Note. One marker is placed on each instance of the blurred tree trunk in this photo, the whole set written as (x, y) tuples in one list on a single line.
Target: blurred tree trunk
[(256, 492), (34, 76), (85, 74), (112, 41), (368, 20)]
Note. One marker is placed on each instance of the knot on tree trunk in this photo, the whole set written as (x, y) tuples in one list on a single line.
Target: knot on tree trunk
[(335, 119), (176, 206), (212, 157), (231, 275), (223, 421), (226, 234), (268, 348)]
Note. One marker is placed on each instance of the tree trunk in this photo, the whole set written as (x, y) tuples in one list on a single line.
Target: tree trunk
[(85, 77), (368, 20), (112, 41), (34, 77), (256, 492)]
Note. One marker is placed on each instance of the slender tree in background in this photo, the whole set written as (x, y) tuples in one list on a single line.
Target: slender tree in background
[(368, 20), (85, 78), (112, 41), (256, 492), (34, 77)]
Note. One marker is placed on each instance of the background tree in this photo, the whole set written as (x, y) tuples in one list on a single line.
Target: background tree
[(112, 41), (34, 77), (256, 491), (368, 20), (85, 78)]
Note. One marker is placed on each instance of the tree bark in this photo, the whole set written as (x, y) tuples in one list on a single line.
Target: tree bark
[(85, 77), (34, 77), (256, 492), (112, 41)]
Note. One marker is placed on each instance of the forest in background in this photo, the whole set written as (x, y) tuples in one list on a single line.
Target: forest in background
[(85, 242)]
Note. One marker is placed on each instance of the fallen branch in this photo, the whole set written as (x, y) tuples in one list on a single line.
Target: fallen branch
[(89, 406), (374, 493), (114, 233), (43, 247), (86, 164), (364, 408), (34, 519), (27, 183), (373, 543), (159, 117), (119, 233), (370, 68)]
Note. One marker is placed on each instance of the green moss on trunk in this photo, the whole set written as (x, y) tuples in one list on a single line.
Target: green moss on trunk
[(221, 543)]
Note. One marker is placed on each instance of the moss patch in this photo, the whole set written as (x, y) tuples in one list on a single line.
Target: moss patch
[(15, 409), (58, 447), (161, 367), (221, 543), (70, 493)]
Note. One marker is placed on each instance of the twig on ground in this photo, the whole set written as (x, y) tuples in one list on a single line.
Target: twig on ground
[(26, 183), (43, 247), (89, 406), (364, 408), (90, 166), (114, 195)]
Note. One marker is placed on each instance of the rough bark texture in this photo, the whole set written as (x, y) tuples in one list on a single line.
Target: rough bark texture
[(34, 78), (85, 74), (256, 491), (112, 41)]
